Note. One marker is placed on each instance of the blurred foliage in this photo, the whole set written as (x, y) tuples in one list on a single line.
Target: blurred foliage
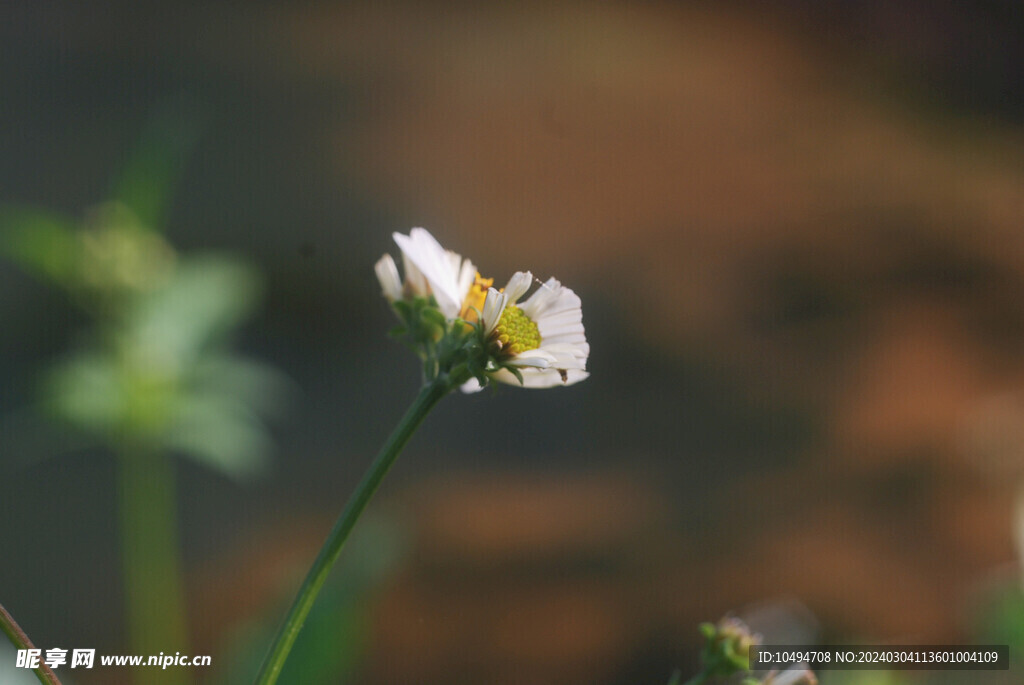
[(727, 646), (999, 620), (9, 673), (156, 369), (725, 659), (334, 639), (154, 372)]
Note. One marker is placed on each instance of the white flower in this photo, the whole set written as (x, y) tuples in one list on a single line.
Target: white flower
[(539, 343), (390, 281), (429, 270), (543, 338)]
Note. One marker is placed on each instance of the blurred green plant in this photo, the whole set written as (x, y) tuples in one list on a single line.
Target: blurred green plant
[(725, 658), (999, 620), (155, 374), (155, 371), (726, 650), (333, 643)]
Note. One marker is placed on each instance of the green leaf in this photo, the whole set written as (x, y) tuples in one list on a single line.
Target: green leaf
[(100, 393), (221, 432), (262, 388), (149, 176), (43, 242), (206, 299), (86, 391)]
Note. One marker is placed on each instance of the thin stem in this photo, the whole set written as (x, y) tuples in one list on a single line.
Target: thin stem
[(149, 550), (20, 640), (429, 395)]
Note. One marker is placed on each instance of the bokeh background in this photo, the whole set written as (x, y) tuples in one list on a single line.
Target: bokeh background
[(797, 232)]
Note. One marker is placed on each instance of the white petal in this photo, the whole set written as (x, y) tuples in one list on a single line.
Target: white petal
[(575, 338), (535, 358), (564, 356), (454, 260), (390, 281), (567, 338), (518, 285), (542, 299), (562, 306), (494, 307), (568, 335), (414, 278), (471, 386), (467, 276), (560, 320), (438, 268), (540, 378)]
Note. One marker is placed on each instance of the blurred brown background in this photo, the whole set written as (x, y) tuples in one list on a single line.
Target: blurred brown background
[(797, 234)]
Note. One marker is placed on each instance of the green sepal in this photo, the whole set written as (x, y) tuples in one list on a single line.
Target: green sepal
[(403, 308), (516, 372), (433, 316)]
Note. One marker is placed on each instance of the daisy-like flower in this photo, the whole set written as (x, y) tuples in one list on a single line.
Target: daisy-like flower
[(539, 343), (429, 270), (542, 338)]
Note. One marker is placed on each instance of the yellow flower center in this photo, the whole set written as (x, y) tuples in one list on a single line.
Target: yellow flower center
[(516, 332), (474, 302)]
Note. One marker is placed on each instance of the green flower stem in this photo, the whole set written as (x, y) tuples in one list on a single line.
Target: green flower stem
[(20, 640), (149, 550), (429, 395)]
